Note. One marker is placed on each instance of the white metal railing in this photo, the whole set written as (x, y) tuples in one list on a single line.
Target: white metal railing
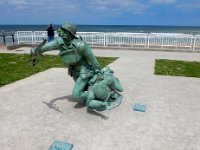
[(125, 39), (93, 38), (170, 40), (196, 42), (122, 39), (25, 37), (39, 36)]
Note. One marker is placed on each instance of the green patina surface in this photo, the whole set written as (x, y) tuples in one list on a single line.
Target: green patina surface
[(103, 91), (84, 68), (177, 68)]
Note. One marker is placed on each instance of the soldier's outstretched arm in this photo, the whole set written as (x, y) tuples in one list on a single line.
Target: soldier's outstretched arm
[(43, 47), (53, 45)]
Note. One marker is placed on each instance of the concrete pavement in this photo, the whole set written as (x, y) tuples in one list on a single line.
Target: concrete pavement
[(39, 109)]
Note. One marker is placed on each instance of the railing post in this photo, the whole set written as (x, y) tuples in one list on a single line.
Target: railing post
[(104, 39), (145, 42), (92, 38), (148, 35), (191, 43), (176, 43), (17, 37), (107, 39), (194, 43), (32, 37)]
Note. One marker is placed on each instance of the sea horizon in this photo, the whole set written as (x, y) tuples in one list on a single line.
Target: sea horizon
[(107, 28), (112, 25)]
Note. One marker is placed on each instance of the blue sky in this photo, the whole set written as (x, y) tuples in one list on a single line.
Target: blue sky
[(102, 12)]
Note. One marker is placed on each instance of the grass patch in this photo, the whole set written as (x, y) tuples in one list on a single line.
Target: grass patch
[(177, 68), (14, 67)]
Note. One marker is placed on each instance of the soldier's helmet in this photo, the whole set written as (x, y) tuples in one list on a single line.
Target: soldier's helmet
[(69, 27)]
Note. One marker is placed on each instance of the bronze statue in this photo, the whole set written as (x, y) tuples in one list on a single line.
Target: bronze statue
[(82, 66)]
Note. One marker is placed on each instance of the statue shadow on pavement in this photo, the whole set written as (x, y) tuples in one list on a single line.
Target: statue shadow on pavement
[(98, 114), (52, 105)]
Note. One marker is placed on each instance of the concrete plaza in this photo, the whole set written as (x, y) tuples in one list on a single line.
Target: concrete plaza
[(39, 109)]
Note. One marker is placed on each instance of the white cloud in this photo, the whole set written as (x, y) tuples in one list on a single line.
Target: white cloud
[(189, 6), (162, 1), (116, 6), (108, 7), (18, 2), (40, 5)]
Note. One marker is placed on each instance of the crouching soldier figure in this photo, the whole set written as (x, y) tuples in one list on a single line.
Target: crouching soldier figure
[(99, 89), (76, 54)]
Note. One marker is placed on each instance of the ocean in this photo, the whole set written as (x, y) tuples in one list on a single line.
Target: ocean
[(109, 28)]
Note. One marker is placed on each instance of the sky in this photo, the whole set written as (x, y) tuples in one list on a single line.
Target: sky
[(101, 12)]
